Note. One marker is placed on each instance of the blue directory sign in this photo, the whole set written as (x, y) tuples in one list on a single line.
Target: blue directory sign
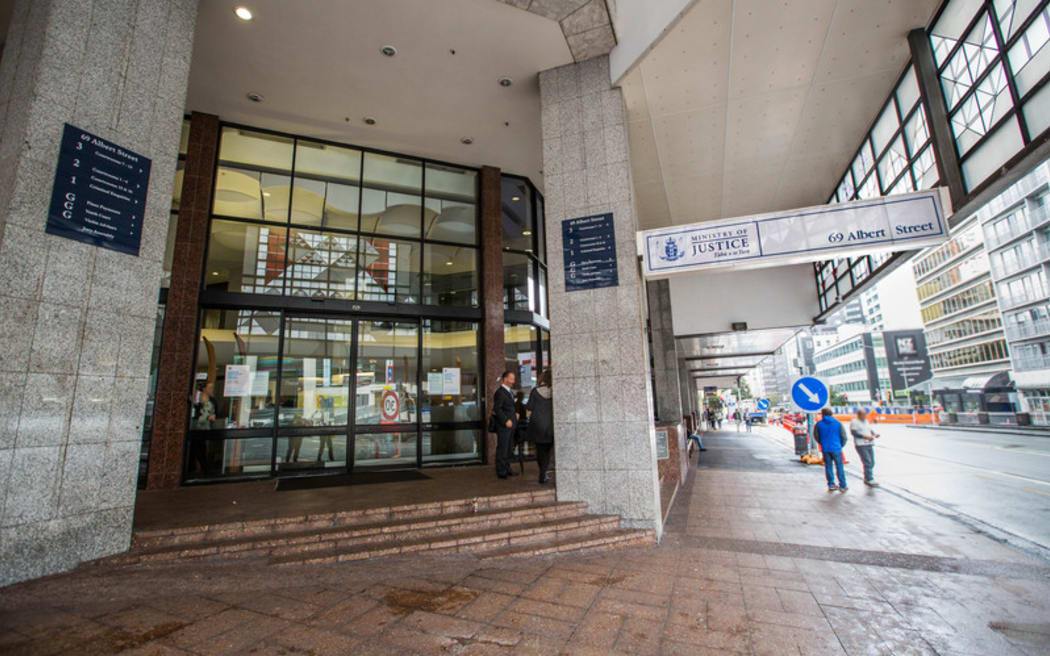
[(763, 404), (99, 194), (589, 245), (809, 394)]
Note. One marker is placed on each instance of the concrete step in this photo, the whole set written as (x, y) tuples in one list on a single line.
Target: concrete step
[(464, 542), (317, 521), (608, 539), (317, 539)]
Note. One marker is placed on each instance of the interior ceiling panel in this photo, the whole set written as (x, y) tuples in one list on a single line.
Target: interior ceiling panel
[(750, 106), (318, 66), (755, 344)]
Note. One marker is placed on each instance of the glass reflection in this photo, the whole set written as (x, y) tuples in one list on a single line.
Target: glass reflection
[(387, 361), (315, 377), (451, 445), (450, 371), (450, 275), (237, 358), (389, 271), (215, 458), (372, 449)]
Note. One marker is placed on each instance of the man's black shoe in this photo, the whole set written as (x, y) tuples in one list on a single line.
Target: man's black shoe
[(703, 449), (512, 473)]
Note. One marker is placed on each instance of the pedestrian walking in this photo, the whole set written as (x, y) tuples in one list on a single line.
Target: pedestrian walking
[(831, 435), (540, 411), (736, 418), (504, 423), (864, 441)]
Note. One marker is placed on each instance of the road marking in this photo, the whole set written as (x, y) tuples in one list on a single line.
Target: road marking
[(1032, 489), (1014, 450), (962, 464)]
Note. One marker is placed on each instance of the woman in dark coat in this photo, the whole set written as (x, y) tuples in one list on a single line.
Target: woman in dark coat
[(541, 422)]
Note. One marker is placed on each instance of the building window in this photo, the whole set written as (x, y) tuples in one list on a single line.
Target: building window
[(524, 253), (298, 217)]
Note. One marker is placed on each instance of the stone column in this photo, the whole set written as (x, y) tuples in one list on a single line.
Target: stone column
[(178, 343), (665, 357), (77, 321), (491, 294), (605, 442)]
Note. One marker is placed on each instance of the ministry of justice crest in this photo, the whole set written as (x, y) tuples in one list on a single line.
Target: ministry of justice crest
[(672, 252)]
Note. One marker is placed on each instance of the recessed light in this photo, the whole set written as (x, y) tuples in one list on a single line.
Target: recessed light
[(369, 120), (449, 263), (467, 140), (388, 51), (505, 81), (214, 273), (243, 13), (526, 233), (254, 97), (516, 198)]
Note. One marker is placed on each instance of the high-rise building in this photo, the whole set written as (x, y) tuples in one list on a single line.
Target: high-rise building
[(1016, 227), (964, 333)]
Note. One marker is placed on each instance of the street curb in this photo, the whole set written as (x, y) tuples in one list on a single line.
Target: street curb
[(979, 526), (1033, 432)]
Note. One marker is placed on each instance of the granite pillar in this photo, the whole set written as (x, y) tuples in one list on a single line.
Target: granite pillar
[(77, 321), (176, 365), (667, 382), (492, 294), (605, 440)]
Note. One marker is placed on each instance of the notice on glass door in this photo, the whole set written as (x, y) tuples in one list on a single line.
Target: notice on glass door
[(99, 193)]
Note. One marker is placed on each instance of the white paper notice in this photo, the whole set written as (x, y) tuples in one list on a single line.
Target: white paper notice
[(238, 380), (435, 383), (260, 383), (450, 382)]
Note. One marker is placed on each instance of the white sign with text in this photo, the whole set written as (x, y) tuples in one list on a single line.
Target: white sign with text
[(902, 222)]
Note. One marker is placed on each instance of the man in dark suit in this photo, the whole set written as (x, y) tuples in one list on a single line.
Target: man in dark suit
[(506, 423)]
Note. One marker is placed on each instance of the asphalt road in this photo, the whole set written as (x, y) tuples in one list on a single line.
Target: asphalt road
[(1000, 480)]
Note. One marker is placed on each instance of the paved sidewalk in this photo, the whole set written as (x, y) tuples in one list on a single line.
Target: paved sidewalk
[(757, 559)]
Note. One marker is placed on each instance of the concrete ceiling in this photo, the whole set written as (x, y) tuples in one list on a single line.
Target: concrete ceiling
[(749, 106), (318, 65)]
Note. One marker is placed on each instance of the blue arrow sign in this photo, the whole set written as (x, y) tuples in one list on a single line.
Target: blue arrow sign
[(809, 394), (763, 404)]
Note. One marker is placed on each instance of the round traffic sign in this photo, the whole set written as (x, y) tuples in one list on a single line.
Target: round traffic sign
[(763, 404), (809, 393), (391, 406)]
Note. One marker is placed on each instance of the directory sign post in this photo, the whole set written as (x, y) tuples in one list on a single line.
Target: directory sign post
[(99, 193), (809, 394), (589, 246)]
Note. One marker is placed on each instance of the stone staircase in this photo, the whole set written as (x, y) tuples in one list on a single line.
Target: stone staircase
[(522, 524)]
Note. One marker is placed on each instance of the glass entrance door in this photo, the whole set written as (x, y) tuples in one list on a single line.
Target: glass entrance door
[(386, 398)]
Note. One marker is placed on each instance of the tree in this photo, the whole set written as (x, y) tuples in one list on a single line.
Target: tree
[(745, 390), (714, 402), (837, 398)]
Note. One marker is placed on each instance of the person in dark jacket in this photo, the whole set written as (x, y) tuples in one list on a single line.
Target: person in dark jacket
[(506, 423), (832, 437), (541, 423)]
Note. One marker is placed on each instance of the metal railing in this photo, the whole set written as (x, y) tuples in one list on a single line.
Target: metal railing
[(1025, 221)]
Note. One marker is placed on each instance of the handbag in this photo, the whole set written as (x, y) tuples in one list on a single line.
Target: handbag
[(493, 423)]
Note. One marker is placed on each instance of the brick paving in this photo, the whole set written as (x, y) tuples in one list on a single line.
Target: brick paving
[(757, 559)]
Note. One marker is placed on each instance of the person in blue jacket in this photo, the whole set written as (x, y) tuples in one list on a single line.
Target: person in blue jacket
[(830, 433)]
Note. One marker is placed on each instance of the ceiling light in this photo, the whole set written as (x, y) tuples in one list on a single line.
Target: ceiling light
[(505, 81), (214, 273), (254, 97), (516, 198), (449, 262), (467, 140), (243, 13), (388, 51), (369, 120), (526, 233)]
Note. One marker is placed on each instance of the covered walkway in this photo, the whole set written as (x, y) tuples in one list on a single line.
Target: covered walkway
[(757, 558)]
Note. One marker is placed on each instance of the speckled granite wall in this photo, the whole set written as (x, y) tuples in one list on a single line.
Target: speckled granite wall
[(76, 321), (665, 357), (605, 446)]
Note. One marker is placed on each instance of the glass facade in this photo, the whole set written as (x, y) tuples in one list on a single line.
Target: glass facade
[(296, 217), (340, 320), (993, 65)]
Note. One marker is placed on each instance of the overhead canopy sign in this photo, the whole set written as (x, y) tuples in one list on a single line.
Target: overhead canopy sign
[(902, 222)]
